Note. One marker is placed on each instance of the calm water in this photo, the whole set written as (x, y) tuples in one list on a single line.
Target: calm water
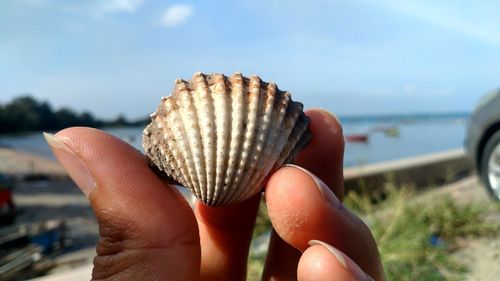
[(416, 137)]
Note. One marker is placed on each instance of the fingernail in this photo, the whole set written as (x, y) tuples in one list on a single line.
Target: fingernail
[(71, 162), (322, 187), (344, 260)]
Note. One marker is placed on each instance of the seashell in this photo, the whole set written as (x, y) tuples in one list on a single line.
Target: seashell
[(222, 136)]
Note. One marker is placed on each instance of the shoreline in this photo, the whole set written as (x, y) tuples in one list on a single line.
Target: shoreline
[(413, 140), (20, 164)]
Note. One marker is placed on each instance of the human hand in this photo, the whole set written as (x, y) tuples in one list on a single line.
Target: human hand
[(149, 232)]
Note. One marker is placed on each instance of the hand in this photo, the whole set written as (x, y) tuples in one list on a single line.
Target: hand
[(149, 232)]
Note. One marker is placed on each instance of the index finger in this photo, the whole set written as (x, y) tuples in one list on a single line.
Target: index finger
[(323, 156)]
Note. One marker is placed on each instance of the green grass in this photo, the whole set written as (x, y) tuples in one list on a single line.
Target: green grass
[(256, 261), (255, 266), (262, 223), (403, 228)]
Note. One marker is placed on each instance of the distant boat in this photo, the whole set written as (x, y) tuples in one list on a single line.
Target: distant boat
[(389, 131), (392, 132), (357, 138)]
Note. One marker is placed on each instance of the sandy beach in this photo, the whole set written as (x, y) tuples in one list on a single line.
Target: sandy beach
[(18, 163)]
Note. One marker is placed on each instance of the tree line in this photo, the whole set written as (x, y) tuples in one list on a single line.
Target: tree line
[(25, 114)]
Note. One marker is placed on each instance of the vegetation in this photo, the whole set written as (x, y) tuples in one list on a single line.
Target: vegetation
[(416, 238), (256, 260), (25, 114)]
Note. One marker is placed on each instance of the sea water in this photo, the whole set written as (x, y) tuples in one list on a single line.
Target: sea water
[(407, 137)]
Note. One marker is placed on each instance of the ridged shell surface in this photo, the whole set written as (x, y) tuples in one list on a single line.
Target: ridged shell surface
[(221, 136)]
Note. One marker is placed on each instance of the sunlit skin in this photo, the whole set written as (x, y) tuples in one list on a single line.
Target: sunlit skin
[(149, 232)]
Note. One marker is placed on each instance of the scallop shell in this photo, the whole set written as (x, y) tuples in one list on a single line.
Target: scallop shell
[(222, 136)]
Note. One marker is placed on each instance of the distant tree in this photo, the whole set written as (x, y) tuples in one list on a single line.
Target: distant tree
[(48, 119), (120, 121), (66, 118), (4, 123), (86, 119), (25, 114), (21, 114)]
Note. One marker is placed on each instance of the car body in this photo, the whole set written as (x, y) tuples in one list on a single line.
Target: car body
[(483, 141)]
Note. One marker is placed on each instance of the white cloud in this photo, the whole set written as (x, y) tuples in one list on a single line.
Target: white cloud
[(176, 15), (112, 6)]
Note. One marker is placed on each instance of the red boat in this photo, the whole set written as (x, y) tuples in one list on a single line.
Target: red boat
[(357, 138)]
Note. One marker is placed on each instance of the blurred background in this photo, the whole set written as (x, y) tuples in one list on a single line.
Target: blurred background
[(404, 78)]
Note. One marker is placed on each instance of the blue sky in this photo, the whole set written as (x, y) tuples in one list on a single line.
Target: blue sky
[(350, 57)]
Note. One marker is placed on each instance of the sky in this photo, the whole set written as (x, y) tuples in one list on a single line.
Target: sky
[(351, 57)]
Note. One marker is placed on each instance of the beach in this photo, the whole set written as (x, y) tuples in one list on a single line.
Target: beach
[(52, 195), (44, 193), (19, 163)]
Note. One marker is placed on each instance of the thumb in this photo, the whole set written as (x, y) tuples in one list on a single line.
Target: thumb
[(147, 229), (322, 261)]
